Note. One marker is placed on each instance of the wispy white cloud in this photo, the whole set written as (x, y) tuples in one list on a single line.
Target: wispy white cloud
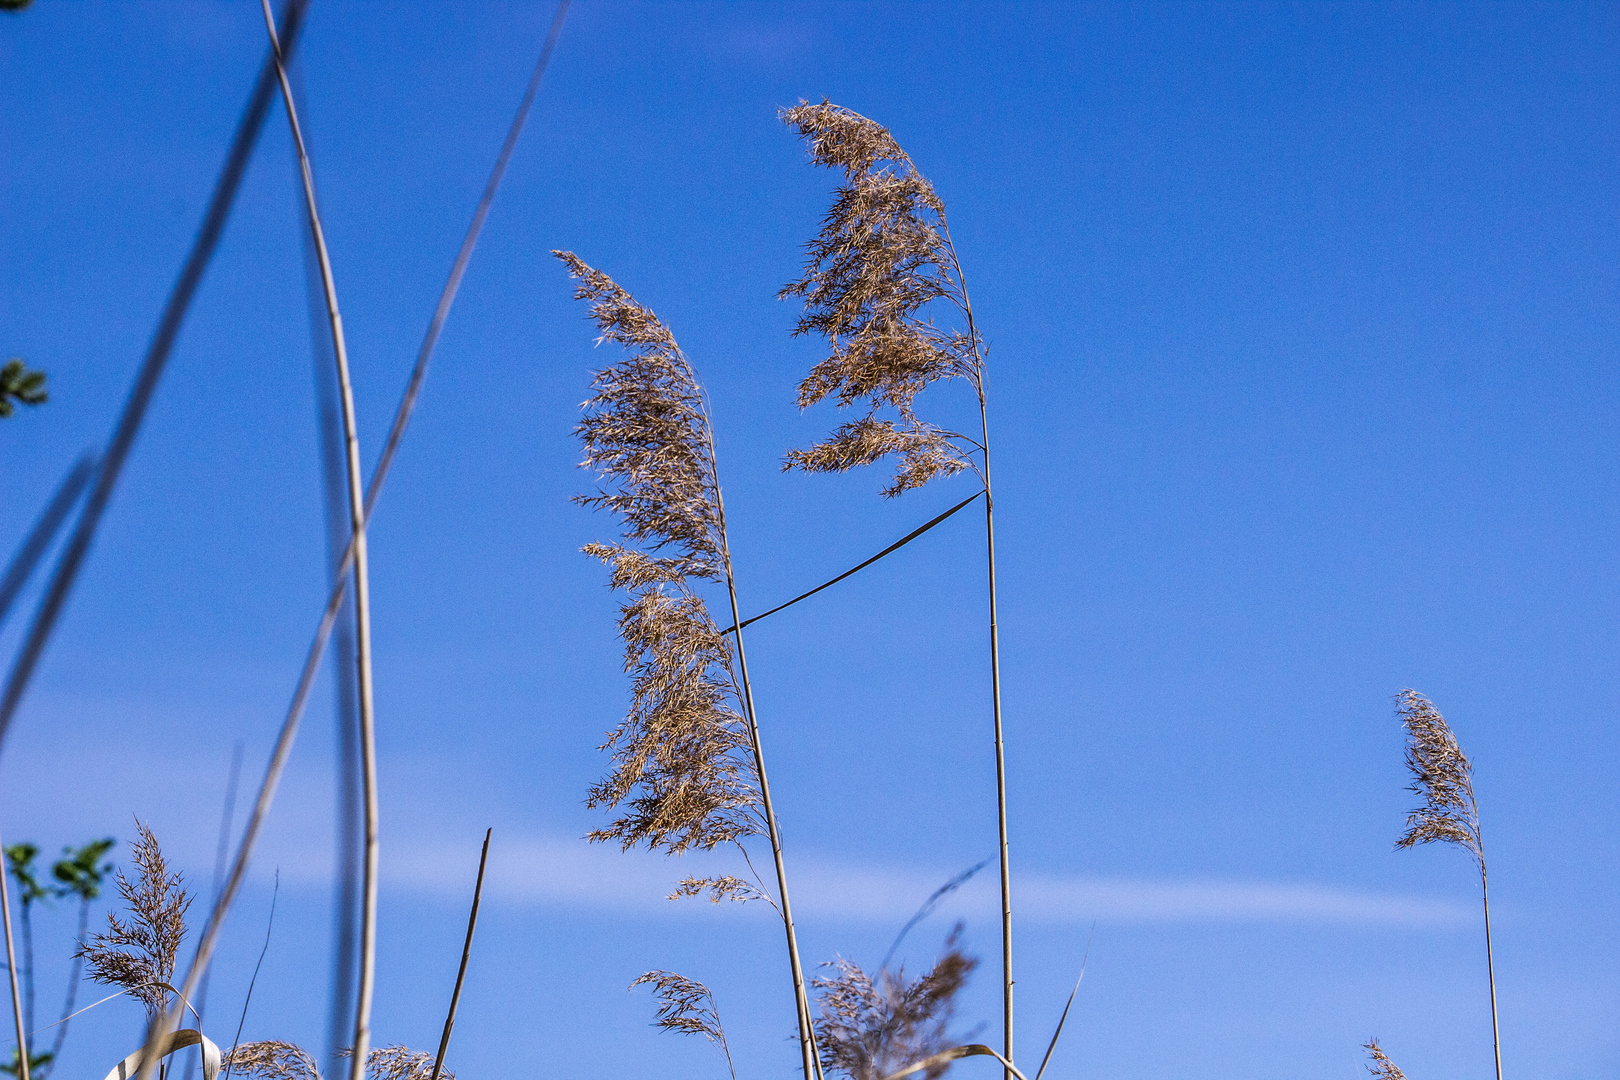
[(569, 873)]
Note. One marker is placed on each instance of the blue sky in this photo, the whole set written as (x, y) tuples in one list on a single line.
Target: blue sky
[(1302, 325)]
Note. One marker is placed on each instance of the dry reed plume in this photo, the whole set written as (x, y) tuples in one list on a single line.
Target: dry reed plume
[(872, 1027), (687, 759), (1382, 1067), (679, 757), (687, 1006), (138, 954), (882, 256), (873, 275), (1444, 776), (274, 1059)]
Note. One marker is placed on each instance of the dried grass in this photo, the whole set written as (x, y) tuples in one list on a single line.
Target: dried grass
[(1443, 775), (1382, 1067), (138, 954), (872, 1027), (681, 766), (883, 255), (687, 1006), (273, 1059)]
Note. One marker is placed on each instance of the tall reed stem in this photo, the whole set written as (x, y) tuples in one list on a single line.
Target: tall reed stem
[(801, 998), (1490, 969), (995, 666), (11, 969), (362, 588)]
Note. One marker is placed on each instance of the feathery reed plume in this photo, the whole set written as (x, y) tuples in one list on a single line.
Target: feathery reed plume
[(871, 1028), (1382, 1067), (882, 259), (1444, 776), (138, 953), (688, 758), (687, 1006), (273, 1059), (400, 1063)]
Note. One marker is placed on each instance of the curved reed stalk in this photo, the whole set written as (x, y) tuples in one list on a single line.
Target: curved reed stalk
[(678, 760), (884, 254), (362, 584), (334, 601)]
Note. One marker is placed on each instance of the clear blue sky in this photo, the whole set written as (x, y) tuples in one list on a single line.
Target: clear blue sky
[(1303, 326)]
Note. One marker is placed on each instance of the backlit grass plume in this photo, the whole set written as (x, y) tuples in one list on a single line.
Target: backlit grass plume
[(272, 1059), (679, 758), (687, 1006), (873, 1027), (883, 256), (1381, 1066), (138, 953), (688, 765), (1444, 777), (881, 267)]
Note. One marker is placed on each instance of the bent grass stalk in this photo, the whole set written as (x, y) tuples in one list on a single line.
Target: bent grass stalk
[(883, 254), (362, 586), (334, 601)]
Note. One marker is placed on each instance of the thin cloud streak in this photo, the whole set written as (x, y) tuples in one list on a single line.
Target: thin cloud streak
[(572, 874)]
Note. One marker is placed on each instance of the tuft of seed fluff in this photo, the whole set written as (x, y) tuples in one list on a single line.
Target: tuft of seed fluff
[(1381, 1066), (138, 953), (1442, 775)]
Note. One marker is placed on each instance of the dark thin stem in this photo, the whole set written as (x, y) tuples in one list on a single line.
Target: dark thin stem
[(44, 531), (151, 370), (73, 982), (995, 667), (11, 969), (466, 951), (246, 1001)]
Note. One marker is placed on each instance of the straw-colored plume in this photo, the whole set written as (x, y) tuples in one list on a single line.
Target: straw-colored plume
[(681, 768), (1443, 775), (724, 887), (882, 257), (399, 1063), (870, 1028), (686, 1006), (1381, 1066), (138, 954), (272, 1059)]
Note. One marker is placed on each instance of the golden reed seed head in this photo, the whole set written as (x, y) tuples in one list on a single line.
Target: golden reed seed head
[(680, 773), (882, 256), (138, 953), (870, 1028), (1442, 775)]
